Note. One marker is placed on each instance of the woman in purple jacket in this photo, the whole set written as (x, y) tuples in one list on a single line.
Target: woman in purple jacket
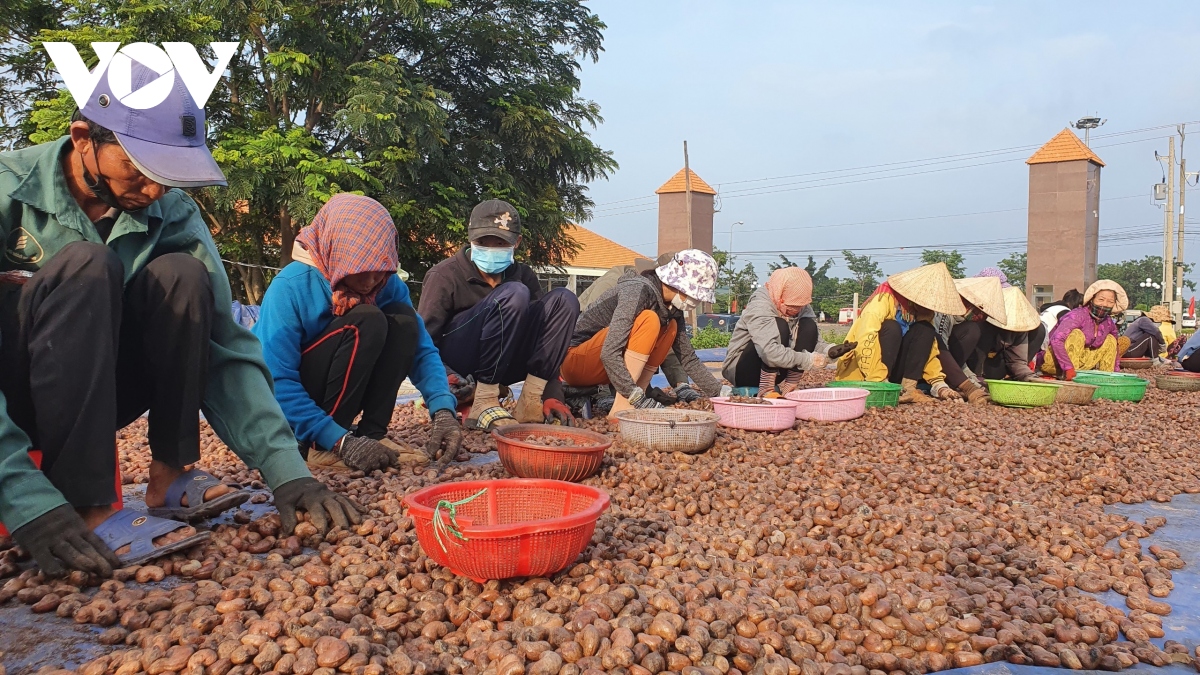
[(1086, 338)]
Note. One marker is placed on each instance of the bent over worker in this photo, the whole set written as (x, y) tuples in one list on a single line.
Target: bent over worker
[(776, 339), (491, 322), (624, 336), (671, 369), (340, 334), (126, 310), (893, 340)]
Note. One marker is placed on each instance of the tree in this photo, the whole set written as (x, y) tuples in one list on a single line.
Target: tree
[(1014, 267), (866, 271), (783, 262), (734, 286), (1131, 273), (953, 260), (426, 105)]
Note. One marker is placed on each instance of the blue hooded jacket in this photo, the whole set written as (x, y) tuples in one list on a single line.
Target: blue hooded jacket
[(298, 305)]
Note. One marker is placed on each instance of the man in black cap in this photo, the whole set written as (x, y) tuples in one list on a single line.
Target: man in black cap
[(491, 322)]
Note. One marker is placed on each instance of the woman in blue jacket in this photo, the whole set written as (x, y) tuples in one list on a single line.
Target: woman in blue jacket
[(340, 334)]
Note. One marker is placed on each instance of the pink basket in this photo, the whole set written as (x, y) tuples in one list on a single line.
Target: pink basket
[(779, 416), (829, 405)]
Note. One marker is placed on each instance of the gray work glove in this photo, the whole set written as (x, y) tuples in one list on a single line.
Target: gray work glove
[(59, 541), (322, 504), (445, 438), (639, 399), (365, 454), (838, 351), (687, 394)]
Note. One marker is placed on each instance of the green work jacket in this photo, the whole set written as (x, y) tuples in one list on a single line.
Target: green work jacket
[(38, 216)]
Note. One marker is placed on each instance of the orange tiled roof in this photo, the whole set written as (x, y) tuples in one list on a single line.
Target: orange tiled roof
[(677, 184), (598, 252), (1065, 147)]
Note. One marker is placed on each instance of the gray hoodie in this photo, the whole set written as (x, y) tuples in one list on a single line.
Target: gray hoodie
[(758, 329)]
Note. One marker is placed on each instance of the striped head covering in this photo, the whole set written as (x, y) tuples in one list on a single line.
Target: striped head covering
[(791, 289), (995, 272), (350, 234)]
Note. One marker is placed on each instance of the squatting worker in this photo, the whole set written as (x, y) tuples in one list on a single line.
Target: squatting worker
[(340, 334), (1085, 338), (626, 334), (775, 341), (671, 368), (893, 340), (1147, 334), (126, 311), (491, 322)]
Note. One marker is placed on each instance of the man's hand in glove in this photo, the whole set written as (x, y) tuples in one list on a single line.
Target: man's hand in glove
[(944, 392), (838, 351), (59, 541), (463, 388), (557, 412), (663, 397), (639, 399), (322, 504), (445, 438), (365, 454), (687, 394)]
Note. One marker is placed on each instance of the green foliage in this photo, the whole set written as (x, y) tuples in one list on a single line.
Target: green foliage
[(1014, 267), (710, 338), (428, 106), (783, 262), (867, 272), (953, 259), (1130, 273), (732, 283)]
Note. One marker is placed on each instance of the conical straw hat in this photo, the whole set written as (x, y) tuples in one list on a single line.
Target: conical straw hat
[(986, 294), (1021, 315), (931, 287)]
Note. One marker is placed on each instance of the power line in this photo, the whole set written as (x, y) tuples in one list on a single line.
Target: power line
[(603, 206)]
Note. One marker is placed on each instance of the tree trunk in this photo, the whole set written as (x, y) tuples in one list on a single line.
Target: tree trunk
[(287, 236)]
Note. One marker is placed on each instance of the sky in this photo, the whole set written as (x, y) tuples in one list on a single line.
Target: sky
[(888, 126)]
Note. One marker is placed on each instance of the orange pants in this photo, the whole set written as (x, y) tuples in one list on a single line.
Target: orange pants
[(583, 367)]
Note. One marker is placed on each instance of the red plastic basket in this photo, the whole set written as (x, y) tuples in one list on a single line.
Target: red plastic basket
[(532, 460), (516, 527), (829, 404), (779, 416)]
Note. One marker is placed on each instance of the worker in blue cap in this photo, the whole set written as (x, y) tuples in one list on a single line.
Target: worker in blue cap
[(116, 305)]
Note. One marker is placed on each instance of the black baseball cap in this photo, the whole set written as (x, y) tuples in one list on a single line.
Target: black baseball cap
[(495, 218)]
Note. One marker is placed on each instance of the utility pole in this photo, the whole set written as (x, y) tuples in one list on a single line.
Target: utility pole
[(1168, 289), (1177, 311), (687, 196)]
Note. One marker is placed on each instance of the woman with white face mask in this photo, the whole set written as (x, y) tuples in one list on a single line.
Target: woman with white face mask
[(623, 337)]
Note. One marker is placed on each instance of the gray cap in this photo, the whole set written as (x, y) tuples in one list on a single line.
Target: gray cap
[(495, 218)]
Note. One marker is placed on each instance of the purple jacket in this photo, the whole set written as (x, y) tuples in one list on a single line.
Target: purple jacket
[(1094, 334)]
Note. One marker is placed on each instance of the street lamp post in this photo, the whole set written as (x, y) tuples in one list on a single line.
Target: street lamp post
[(730, 251)]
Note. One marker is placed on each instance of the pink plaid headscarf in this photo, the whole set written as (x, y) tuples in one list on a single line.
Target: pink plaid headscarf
[(350, 234)]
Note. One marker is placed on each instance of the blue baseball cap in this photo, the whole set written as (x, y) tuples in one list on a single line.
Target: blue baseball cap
[(165, 142)]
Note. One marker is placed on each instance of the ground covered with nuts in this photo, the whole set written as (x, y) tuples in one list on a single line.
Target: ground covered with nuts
[(912, 540)]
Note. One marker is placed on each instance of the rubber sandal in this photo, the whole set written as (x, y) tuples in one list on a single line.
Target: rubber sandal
[(488, 418), (194, 484), (138, 531)]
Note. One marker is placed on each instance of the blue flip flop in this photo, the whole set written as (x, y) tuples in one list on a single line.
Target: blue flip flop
[(138, 531), (194, 484)]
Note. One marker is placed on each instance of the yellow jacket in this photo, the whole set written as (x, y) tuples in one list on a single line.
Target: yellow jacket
[(1168, 332), (865, 362)]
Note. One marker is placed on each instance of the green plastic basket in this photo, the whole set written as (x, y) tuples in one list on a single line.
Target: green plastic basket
[(883, 394), (1116, 387), (1022, 394)]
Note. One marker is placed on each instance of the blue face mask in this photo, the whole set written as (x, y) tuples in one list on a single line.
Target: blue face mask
[(491, 260)]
